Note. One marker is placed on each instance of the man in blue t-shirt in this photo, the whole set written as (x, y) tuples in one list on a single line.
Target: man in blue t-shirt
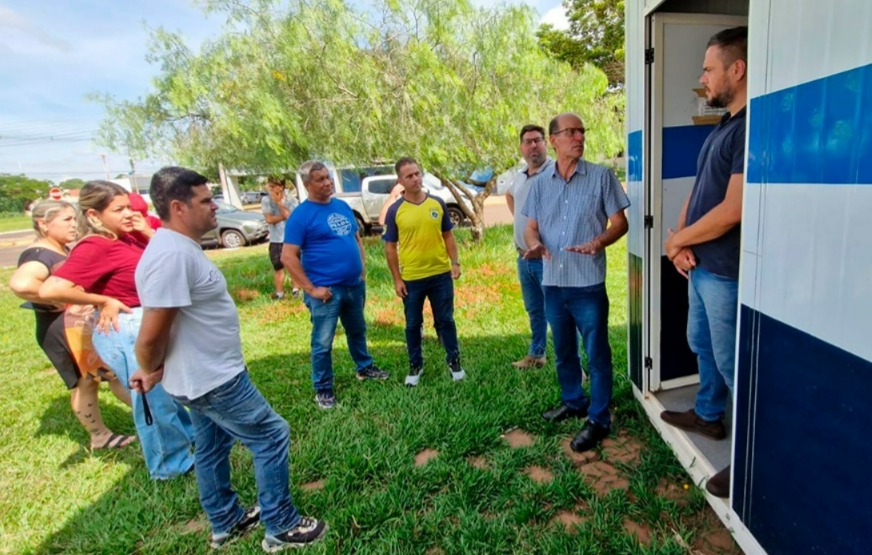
[(705, 249), (324, 254)]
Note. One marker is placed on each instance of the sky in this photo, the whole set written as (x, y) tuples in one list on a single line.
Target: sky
[(53, 53)]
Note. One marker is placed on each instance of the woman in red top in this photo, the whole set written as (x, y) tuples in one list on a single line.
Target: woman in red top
[(100, 271), (55, 225)]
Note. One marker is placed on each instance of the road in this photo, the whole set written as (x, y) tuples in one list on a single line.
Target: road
[(13, 242)]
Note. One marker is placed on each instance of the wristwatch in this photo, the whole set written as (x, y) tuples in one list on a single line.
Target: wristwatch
[(455, 263)]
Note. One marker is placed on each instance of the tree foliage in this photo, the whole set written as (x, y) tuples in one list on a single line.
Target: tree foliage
[(595, 35), (440, 80), (17, 191), (73, 183)]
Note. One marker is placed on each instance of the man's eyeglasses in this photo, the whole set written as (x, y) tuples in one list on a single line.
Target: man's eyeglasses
[(571, 131), (531, 142)]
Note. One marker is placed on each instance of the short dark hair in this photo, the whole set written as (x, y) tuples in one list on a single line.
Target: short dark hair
[(531, 127), (173, 183), (405, 161), (733, 44)]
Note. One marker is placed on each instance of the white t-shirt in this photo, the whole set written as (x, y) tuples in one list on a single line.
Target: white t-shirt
[(205, 350)]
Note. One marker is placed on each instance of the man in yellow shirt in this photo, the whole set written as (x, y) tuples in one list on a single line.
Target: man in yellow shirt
[(422, 257)]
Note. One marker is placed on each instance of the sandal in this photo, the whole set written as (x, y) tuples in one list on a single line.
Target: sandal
[(116, 441)]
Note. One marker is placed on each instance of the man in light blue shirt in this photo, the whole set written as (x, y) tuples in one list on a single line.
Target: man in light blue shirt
[(575, 209)]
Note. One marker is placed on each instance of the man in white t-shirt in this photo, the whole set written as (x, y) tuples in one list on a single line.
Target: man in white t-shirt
[(184, 296)]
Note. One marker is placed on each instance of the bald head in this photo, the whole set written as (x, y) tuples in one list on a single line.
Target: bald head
[(566, 135)]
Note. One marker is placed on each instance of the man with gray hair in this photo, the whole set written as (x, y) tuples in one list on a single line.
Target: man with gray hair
[(575, 210), (324, 254)]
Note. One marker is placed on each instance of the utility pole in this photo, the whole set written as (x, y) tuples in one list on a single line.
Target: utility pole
[(105, 165)]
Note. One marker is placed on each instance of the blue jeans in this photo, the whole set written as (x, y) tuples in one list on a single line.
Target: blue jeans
[(530, 276), (166, 444), (345, 305), (440, 290), (711, 334), (585, 309), (234, 411)]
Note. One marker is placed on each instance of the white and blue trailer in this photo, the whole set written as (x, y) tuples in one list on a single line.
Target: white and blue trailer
[(800, 446)]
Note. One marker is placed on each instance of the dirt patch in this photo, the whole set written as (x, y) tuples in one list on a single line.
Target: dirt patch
[(195, 526), (425, 456), (712, 538), (568, 520), (518, 438), (680, 494), (479, 462), (313, 486), (387, 317), (578, 459), (435, 551), (603, 477), (244, 295), (641, 532), (539, 475), (622, 449)]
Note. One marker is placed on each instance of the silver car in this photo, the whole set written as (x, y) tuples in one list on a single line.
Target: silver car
[(236, 228)]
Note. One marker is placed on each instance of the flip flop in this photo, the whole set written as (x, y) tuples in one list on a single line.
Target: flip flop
[(116, 441)]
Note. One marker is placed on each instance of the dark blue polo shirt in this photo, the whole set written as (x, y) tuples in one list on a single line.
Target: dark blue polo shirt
[(722, 155)]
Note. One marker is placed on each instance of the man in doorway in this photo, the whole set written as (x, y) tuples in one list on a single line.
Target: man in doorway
[(533, 149), (323, 252), (422, 257), (705, 246), (277, 208), (201, 365), (575, 210)]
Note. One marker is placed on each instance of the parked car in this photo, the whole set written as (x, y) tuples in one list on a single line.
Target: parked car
[(236, 228), (252, 197)]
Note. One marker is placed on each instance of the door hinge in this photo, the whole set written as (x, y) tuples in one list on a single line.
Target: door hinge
[(649, 363), (649, 56), (649, 221)]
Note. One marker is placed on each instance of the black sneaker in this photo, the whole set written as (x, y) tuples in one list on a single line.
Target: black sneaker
[(308, 531), (372, 373), (325, 399), (249, 520), (457, 372), (414, 375)]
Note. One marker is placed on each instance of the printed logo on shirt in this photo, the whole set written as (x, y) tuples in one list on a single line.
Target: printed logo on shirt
[(434, 214), (339, 224)]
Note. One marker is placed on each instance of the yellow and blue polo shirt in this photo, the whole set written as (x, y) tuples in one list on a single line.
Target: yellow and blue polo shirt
[(418, 229)]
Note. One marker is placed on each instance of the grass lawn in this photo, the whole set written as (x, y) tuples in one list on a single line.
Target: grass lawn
[(14, 222), (444, 468)]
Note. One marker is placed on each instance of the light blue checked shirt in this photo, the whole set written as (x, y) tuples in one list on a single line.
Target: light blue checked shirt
[(571, 213)]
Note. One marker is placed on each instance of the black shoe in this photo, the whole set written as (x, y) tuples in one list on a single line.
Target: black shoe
[(589, 437), (563, 412), (372, 372), (719, 484), (249, 520), (308, 531)]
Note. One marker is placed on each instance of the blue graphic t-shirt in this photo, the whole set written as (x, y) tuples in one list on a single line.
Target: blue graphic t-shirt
[(326, 235)]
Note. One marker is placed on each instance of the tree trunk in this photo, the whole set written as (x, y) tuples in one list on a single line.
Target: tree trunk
[(475, 215)]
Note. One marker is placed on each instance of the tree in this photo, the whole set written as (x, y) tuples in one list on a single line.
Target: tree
[(73, 183), (595, 35), (17, 191), (440, 80)]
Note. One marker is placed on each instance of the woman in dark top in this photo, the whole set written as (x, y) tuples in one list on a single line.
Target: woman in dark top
[(100, 271), (55, 225)]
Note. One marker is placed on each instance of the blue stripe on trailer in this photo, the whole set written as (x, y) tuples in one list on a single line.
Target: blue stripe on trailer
[(803, 452), (817, 132), (681, 146), (634, 156)]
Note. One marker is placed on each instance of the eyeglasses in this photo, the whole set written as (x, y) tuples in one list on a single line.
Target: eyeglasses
[(531, 142), (571, 131)]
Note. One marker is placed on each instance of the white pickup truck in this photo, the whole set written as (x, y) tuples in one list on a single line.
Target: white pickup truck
[(373, 195)]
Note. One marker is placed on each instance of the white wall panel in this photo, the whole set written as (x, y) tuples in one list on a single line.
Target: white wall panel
[(815, 262)]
